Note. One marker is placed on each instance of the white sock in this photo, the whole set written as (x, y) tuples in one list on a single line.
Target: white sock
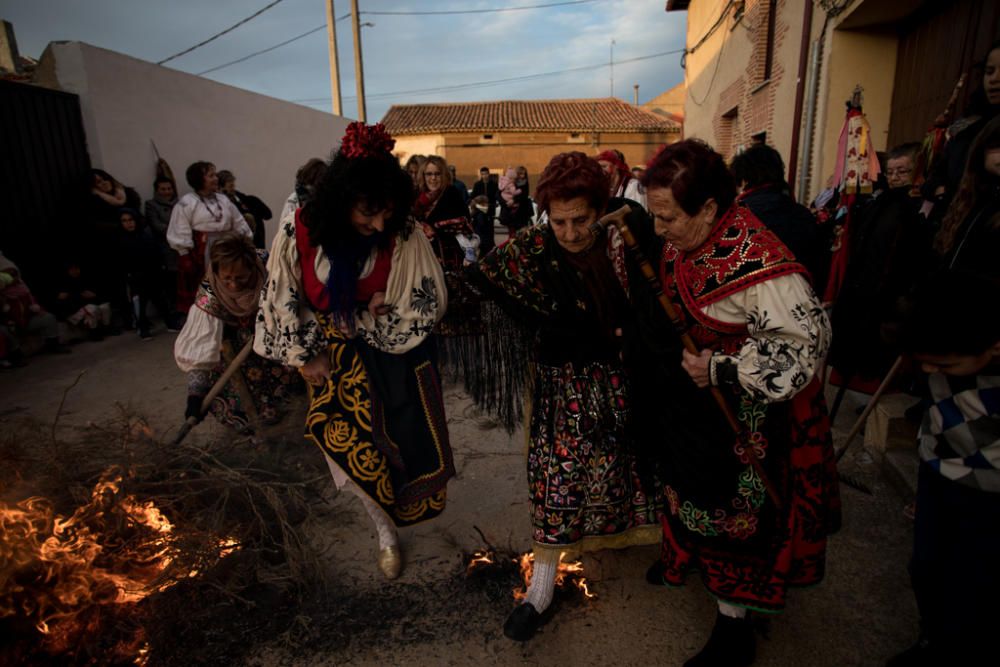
[(731, 610), (384, 526), (387, 536), (543, 579)]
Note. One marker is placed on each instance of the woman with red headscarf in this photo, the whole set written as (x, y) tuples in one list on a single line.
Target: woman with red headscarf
[(620, 179), (571, 287)]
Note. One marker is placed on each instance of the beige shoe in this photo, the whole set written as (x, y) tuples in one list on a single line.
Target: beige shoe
[(390, 561)]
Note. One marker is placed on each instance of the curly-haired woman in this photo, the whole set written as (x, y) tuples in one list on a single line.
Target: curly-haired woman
[(352, 295)]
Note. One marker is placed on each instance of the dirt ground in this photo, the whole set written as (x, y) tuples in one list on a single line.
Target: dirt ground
[(863, 612)]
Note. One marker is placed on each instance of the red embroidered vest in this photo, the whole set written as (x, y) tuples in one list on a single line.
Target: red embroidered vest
[(739, 252)]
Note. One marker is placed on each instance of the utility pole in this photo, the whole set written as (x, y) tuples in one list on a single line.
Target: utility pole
[(359, 68), (331, 33), (611, 60)]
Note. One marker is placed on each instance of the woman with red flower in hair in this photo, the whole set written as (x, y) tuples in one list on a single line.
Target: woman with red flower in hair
[(352, 295), (572, 289)]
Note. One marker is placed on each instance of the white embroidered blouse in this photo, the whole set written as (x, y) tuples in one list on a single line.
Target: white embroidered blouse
[(288, 329)]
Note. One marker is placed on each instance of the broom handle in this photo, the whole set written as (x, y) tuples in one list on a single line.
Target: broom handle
[(216, 389), (886, 381)]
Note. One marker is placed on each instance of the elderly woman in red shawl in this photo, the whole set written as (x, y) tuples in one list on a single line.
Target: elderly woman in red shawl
[(748, 305)]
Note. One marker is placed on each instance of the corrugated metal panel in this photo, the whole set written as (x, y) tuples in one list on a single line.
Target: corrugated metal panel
[(938, 44), (44, 169)]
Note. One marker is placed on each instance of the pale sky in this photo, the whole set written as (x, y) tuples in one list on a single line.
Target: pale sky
[(401, 53)]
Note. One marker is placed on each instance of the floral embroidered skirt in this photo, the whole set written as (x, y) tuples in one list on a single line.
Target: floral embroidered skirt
[(585, 489), (381, 419), (747, 550), (268, 385)]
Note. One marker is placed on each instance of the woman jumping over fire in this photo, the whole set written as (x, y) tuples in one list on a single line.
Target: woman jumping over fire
[(351, 298)]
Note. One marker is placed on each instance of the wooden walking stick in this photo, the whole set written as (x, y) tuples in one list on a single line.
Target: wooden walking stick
[(216, 389), (617, 218)]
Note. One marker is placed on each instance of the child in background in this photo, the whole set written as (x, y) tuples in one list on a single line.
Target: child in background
[(509, 190), (952, 329), (78, 305)]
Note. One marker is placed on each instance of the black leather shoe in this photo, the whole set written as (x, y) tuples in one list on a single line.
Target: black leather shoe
[(732, 644), (522, 623)]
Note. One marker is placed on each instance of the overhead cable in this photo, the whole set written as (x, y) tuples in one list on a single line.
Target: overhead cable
[(220, 34), (494, 82)]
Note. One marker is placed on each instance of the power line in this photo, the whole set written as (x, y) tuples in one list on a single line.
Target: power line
[(376, 13), (220, 34), (494, 82), (447, 12)]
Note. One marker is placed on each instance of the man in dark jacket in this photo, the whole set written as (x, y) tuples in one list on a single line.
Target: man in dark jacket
[(487, 187), (760, 175)]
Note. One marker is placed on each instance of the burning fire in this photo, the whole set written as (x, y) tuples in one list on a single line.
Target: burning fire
[(569, 573), (57, 573)]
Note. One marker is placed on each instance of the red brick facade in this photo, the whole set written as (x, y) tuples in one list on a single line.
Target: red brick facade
[(746, 106)]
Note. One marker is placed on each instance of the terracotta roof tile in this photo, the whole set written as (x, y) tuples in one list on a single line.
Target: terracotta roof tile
[(594, 115)]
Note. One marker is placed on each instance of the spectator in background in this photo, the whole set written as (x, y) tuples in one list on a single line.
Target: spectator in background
[(889, 249), (759, 172), (199, 218), (254, 211), (158, 210), (413, 166), (620, 179), (970, 232), (21, 314), (142, 275), (444, 215), (106, 196), (79, 304), (943, 182), (487, 187), (482, 224), (462, 188), (307, 179), (518, 211)]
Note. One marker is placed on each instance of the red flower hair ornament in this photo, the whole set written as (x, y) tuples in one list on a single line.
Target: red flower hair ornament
[(362, 140)]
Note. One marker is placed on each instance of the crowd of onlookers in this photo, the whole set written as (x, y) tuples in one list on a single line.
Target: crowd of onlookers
[(119, 263)]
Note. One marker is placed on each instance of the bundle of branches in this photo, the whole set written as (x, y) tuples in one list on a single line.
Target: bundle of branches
[(115, 544)]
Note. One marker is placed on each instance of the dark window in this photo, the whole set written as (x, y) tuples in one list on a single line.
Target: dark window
[(772, 10)]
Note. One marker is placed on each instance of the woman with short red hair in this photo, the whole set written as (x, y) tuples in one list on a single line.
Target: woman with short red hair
[(747, 304), (570, 285)]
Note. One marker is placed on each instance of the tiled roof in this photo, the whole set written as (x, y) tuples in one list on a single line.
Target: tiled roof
[(607, 114)]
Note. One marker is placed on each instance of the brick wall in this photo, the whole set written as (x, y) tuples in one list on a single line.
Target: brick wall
[(469, 152), (746, 107)]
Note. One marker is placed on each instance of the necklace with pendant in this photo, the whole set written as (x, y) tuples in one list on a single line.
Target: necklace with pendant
[(217, 216)]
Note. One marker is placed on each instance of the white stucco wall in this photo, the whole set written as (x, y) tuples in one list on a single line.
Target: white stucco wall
[(127, 102)]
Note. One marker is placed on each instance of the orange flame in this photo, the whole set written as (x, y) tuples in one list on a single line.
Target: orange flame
[(111, 550), (571, 571)]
